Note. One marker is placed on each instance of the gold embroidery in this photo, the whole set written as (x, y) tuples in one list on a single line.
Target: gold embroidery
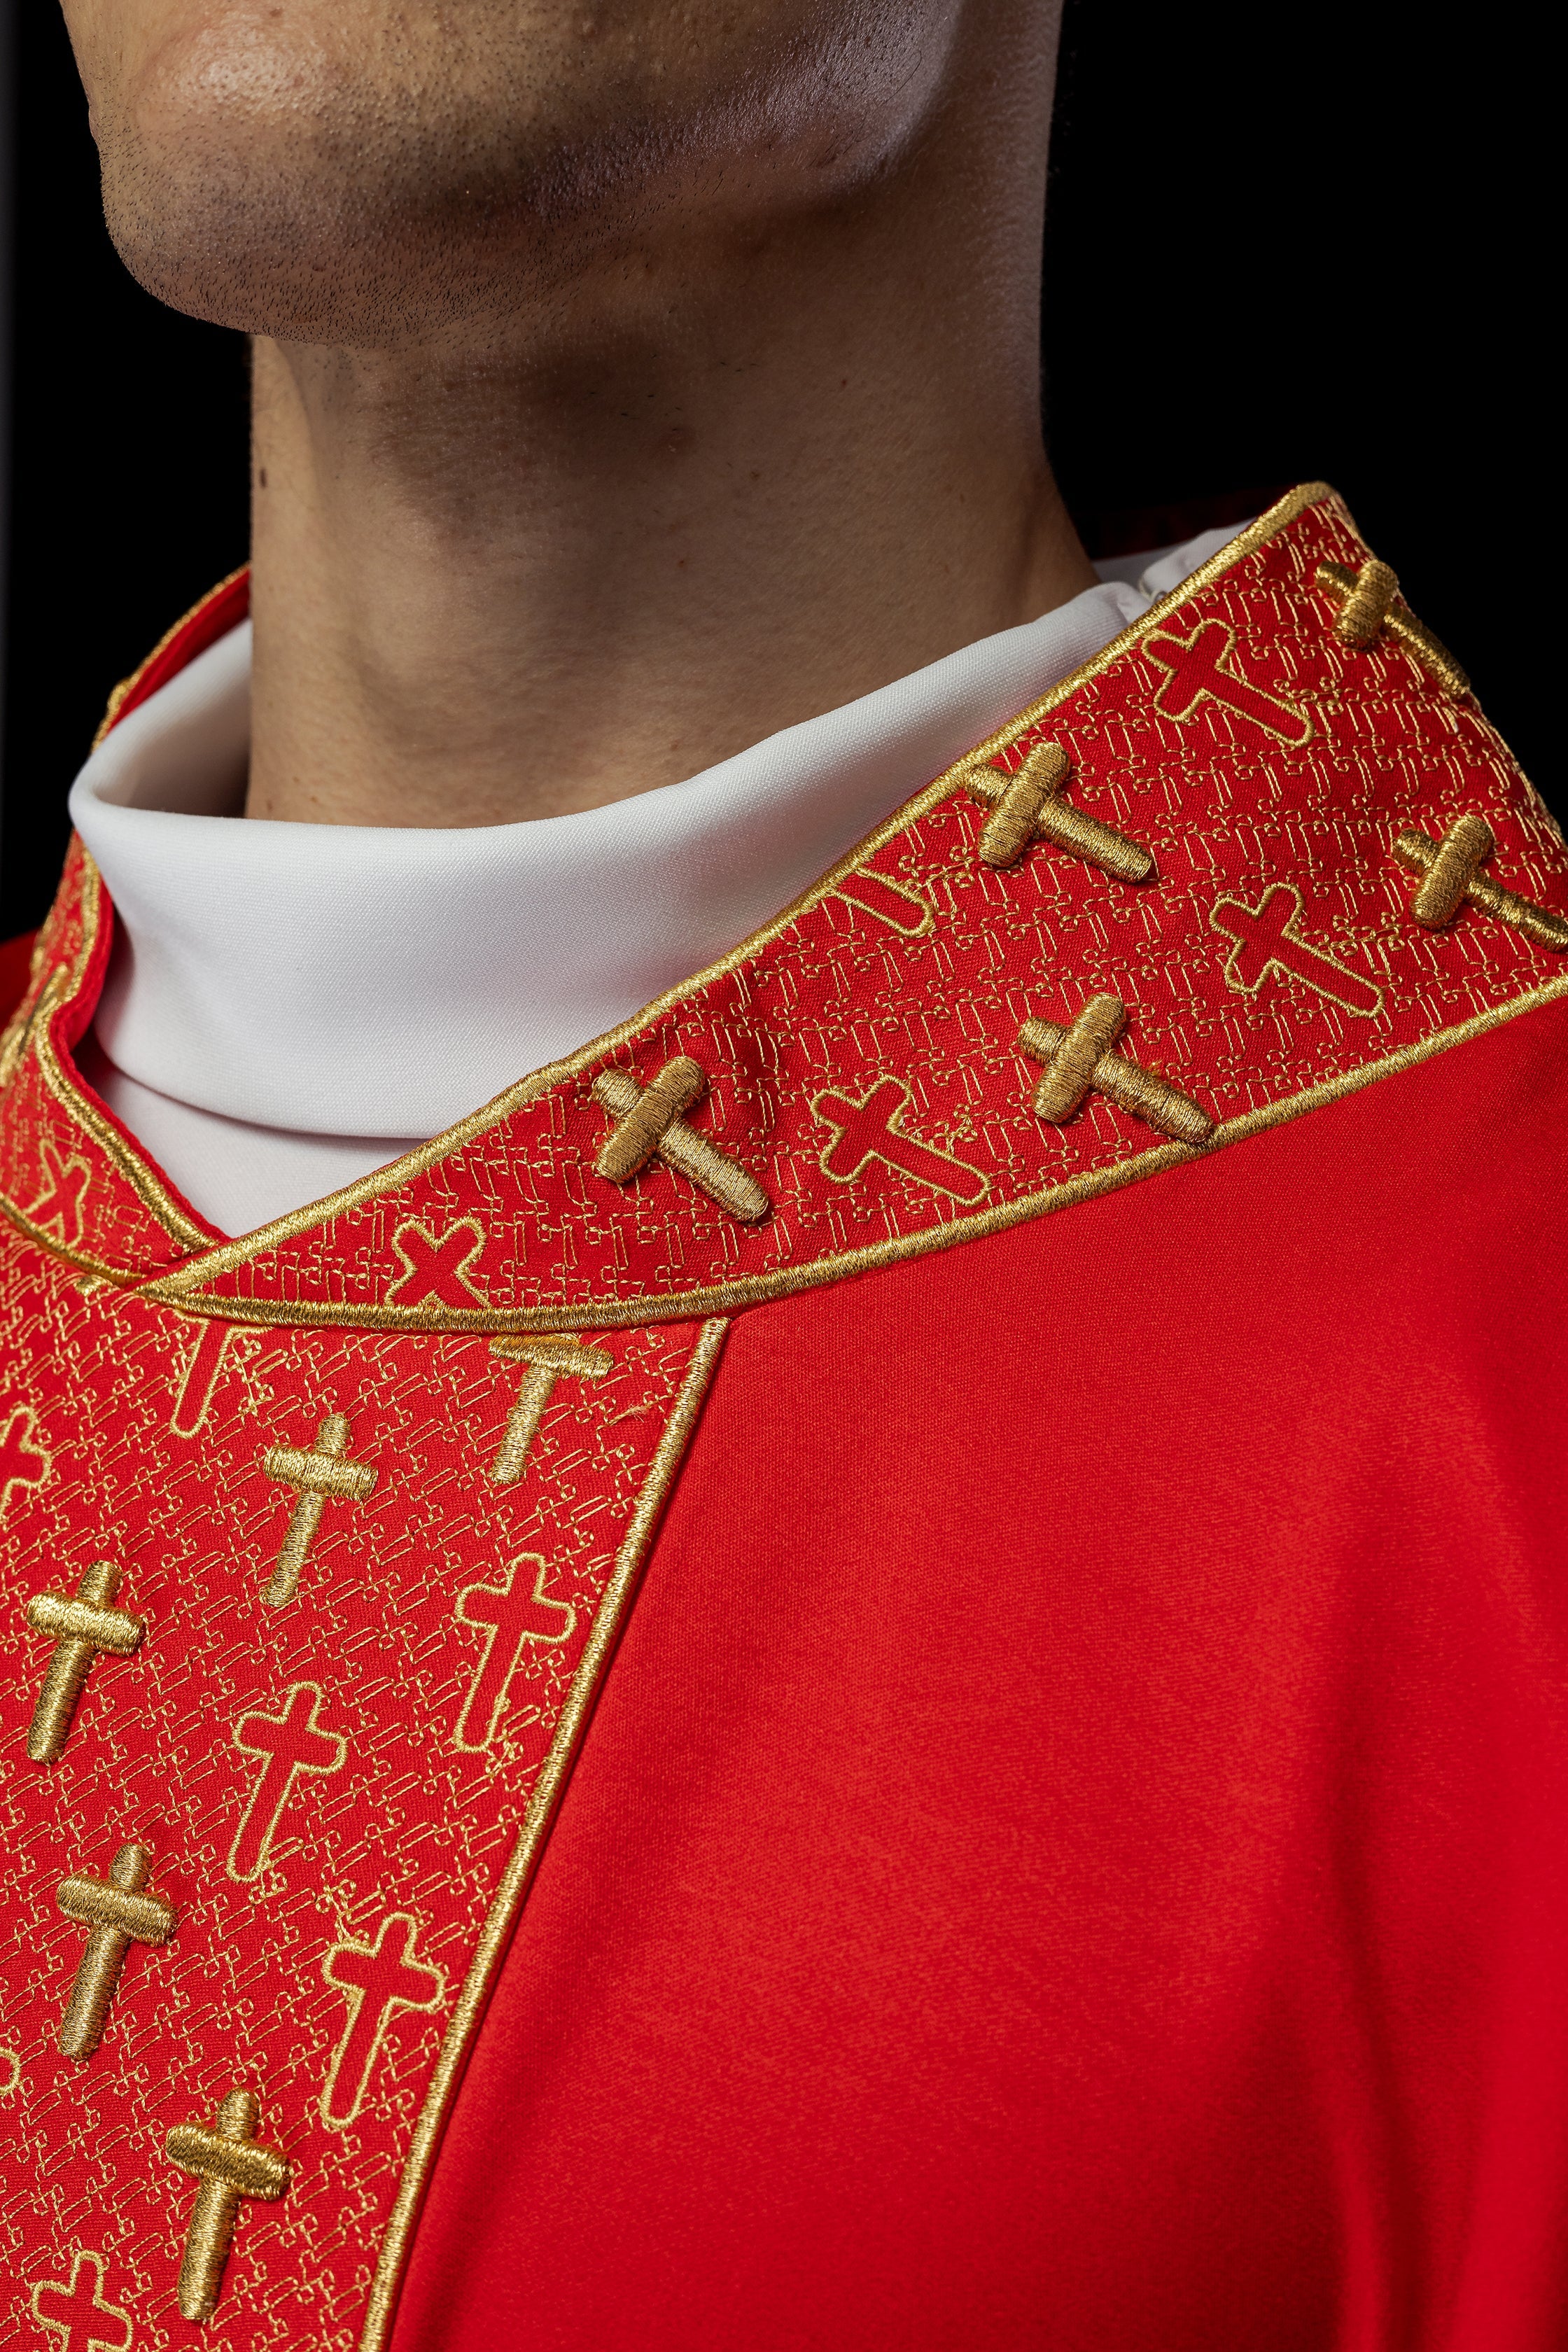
[(516, 1617), (10, 2071), (1080, 1060), (561, 1355), (518, 1875), (1369, 601), (65, 1191), (86, 2321), (118, 1912), (231, 2164), (890, 902), (287, 1745), (182, 1287), (436, 1266), (1270, 946), (22, 1464), (1027, 806), (317, 1475), (650, 1120), (1451, 874), (25, 1020), (1201, 667), (379, 1982), (79, 1629), (200, 1378), (872, 1128)]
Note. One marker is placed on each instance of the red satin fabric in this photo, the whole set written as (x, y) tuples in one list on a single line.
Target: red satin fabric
[(1073, 1851)]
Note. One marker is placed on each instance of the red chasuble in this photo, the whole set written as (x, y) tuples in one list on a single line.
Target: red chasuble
[(882, 1665)]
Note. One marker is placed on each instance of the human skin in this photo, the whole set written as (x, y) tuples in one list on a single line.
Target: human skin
[(632, 378)]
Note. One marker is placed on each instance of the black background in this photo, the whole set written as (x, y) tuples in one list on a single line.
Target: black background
[(1281, 244)]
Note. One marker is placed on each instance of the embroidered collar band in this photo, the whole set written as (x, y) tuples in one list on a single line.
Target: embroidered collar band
[(1260, 849)]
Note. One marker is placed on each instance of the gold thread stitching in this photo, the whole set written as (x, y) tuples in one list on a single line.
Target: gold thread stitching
[(433, 1261), (176, 1288), (507, 1621), (1200, 666), (650, 1123), (518, 1875), (319, 1475), (560, 1357), (117, 1913), (1370, 602), (1268, 945), (304, 1748), (866, 890), (80, 1629), (1027, 804), (231, 2166), (81, 2324), (1451, 877), (1081, 1058), (872, 1128), (18, 1453), (377, 1990)]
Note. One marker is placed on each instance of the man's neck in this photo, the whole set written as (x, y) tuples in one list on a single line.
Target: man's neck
[(700, 496)]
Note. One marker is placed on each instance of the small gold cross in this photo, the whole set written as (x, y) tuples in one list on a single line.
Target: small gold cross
[(1451, 874), (79, 1629), (119, 1913), (649, 1119), (230, 2166), (1369, 601), (1079, 1059), (561, 1355), (1029, 806), (317, 1473)]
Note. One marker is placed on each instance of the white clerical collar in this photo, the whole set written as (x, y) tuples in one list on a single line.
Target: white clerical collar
[(288, 1005)]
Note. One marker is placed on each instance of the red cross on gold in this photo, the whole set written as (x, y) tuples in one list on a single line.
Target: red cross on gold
[(512, 1615), (872, 1128), (58, 1206), (77, 2310), (436, 1264), (380, 1980), (288, 1743), (1202, 668), (1268, 945)]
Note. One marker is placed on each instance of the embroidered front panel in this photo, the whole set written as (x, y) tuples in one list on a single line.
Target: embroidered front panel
[(1214, 825), (273, 1790)]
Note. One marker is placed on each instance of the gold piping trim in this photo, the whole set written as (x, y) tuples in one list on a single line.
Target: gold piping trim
[(542, 1808), (728, 1297), (128, 685), (172, 1289)]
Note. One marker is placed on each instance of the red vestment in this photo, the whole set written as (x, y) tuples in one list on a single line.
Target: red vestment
[(914, 1716)]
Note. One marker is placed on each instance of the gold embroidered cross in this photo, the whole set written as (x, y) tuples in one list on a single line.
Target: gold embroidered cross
[(118, 1912), (1079, 1059), (1369, 601), (558, 1355), (231, 2166), (650, 1119), (1028, 806), (319, 1475), (1451, 874), (79, 1629)]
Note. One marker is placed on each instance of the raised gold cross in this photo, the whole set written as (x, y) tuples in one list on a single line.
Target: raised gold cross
[(650, 1120), (1369, 601), (1079, 1059), (318, 1474), (1451, 875), (79, 1629), (560, 1355), (119, 1913), (1028, 806), (231, 2166)]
